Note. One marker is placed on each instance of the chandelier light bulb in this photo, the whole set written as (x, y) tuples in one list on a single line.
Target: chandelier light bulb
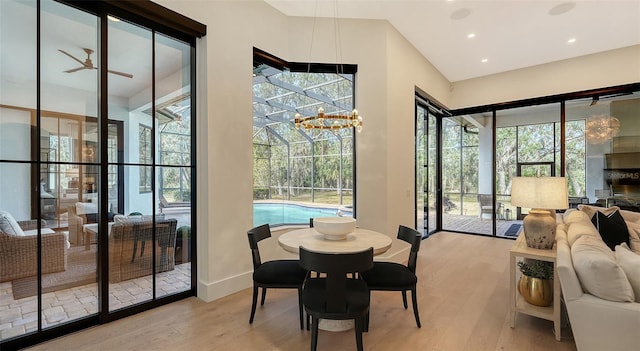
[(600, 129), (296, 121), (334, 121)]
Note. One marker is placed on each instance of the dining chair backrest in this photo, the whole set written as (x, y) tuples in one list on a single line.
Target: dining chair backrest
[(336, 266), (256, 235), (414, 238)]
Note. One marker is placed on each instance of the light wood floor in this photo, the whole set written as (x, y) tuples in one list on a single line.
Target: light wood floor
[(463, 300)]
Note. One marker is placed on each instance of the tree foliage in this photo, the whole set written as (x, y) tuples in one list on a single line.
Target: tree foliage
[(291, 163)]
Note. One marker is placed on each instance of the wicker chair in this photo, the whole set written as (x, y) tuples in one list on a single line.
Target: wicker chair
[(76, 222), (19, 254), (122, 237)]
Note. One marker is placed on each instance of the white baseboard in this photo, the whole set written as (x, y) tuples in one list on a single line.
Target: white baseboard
[(215, 290)]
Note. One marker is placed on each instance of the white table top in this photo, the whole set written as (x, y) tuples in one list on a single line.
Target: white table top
[(359, 240)]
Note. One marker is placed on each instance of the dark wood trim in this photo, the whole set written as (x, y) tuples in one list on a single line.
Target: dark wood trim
[(158, 13), (263, 57), (439, 174), (195, 88), (103, 175), (147, 13), (494, 140), (416, 209), (563, 138), (323, 67), (620, 89)]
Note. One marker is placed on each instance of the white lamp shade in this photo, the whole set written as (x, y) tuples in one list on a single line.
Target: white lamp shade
[(540, 192)]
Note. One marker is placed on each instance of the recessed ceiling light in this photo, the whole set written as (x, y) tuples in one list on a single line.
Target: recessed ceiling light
[(571, 41), (485, 60), (471, 35)]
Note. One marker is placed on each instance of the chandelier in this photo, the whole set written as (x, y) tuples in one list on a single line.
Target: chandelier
[(331, 122), (601, 128)]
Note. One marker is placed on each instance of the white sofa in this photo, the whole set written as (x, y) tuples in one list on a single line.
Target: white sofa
[(597, 323)]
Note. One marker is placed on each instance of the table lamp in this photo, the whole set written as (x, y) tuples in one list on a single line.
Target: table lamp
[(543, 195), (73, 173)]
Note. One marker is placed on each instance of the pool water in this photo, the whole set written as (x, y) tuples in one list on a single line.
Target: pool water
[(277, 213)]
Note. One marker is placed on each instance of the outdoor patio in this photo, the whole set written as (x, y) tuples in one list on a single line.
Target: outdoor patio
[(473, 224), (19, 317)]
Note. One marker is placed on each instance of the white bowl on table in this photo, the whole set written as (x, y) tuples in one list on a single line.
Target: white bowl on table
[(334, 228)]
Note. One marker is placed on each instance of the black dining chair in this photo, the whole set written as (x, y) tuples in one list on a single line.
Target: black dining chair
[(334, 295), (279, 274), (391, 276)]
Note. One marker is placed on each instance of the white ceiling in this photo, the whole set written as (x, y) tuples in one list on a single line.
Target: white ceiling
[(510, 34)]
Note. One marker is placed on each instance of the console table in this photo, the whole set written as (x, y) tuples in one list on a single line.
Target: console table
[(518, 304)]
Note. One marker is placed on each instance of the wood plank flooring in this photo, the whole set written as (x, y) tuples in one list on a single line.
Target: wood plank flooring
[(463, 300)]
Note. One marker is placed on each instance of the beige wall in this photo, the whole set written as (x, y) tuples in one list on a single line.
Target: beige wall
[(389, 70), (610, 68)]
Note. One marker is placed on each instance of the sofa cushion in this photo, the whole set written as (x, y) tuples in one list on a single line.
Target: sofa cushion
[(9, 225), (575, 216), (561, 233), (630, 264), (599, 273), (630, 216), (634, 236), (578, 229), (591, 210), (136, 218), (612, 228), (83, 208)]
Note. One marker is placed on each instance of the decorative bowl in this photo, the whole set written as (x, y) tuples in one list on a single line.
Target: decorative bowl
[(334, 228)]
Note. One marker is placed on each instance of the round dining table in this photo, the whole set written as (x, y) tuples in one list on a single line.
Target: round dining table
[(360, 239)]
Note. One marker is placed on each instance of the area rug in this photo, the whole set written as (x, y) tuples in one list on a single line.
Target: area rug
[(81, 270), (513, 230)]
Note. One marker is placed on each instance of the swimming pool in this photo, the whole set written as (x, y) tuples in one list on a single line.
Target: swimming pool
[(279, 213)]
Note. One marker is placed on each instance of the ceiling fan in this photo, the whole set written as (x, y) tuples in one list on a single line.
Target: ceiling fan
[(88, 64)]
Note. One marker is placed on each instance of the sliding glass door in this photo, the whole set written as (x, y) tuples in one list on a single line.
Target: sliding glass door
[(96, 153), (426, 168)]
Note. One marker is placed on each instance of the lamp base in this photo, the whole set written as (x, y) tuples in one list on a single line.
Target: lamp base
[(539, 229)]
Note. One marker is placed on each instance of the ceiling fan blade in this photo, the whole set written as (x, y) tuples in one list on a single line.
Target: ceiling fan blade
[(75, 69), (73, 57), (121, 74)]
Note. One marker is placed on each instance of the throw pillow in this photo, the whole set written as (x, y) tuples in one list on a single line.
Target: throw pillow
[(634, 230), (635, 245), (599, 273), (630, 264), (9, 225), (120, 218), (612, 228), (591, 210), (86, 208), (634, 236), (630, 216)]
